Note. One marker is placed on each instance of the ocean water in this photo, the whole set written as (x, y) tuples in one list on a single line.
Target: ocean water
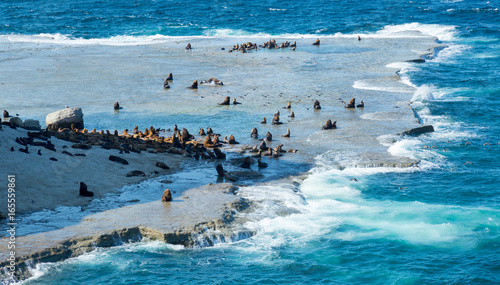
[(433, 224)]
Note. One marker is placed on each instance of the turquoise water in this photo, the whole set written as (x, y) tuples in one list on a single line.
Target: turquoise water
[(436, 224)]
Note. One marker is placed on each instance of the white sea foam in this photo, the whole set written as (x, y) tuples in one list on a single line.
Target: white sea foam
[(369, 85)]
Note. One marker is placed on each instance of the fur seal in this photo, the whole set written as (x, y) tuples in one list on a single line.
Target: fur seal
[(166, 196), (261, 164), (232, 140), (84, 192), (209, 131), (264, 121), (361, 104), (287, 135), (165, 84), (351, 104), (202, 132), (292, 115), (6, 114), (276, 120), (220, 170), (235, 102), (254, 133), (263, 145), (269, 137), (317, 106), (219, 154), (316, 43), (117, 106), (289, 106), (170, 77), (208, 141), (359, 38), (226, 101), (188, 47), (329, 125), (247, 162), (194, 85)]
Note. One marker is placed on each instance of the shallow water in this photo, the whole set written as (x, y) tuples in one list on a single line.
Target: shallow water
[(436, 223)]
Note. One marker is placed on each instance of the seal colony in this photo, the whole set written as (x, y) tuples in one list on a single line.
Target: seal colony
[(131, 156)]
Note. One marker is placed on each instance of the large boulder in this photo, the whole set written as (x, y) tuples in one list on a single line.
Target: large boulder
[(64, 119), (16, 121), (32, 125)]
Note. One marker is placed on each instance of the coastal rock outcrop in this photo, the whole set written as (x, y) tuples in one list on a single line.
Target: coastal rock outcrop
[(64, 119), (31, 125)]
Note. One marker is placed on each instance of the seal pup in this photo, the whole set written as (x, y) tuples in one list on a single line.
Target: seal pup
[(351, 104), (84, 192), (170, 77), (361, 104), (254, 133), (329, 125), (263, 121), (287, 135), (165, 84), (317, 106), (235, 102), (226, 101), (316, 43), (194, 85), (117, 106)]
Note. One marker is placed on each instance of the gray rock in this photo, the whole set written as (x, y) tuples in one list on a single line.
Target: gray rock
[(65, 118), (418, 131), (16, 121), (32, 125)]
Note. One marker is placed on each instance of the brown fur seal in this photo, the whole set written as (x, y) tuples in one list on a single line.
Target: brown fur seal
[(261, 164), (117, 106), (329, 125), (264, 121), (226, 101), (188, 47), (316, 43), (276, 120), (317, 106), (208, 141), (235, 102), (287, 135), (269, 137), (170, 77), (219, 154), (361, 104), (166, 196), (289, 106), (165, 84), (202, 132), (359, 38), (209, 131), (292, 115), (232, 140), (351, 104), (136, 130), (6, 114), (194, 85), (263, 145), (254, 133), (186, 136)]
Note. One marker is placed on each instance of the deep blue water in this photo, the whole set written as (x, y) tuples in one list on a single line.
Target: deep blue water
[(443, 226)]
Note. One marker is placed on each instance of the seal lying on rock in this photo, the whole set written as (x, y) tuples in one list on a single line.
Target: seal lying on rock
[(84, 192), (317, 106), (329, 125), (351, 104), (226, 101)]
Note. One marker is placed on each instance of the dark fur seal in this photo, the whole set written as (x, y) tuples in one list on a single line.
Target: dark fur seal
[(170, 77), (254, 133), (235, 102), (361, 104), (329, 125), (165, 84), (84, 192), (264, 121), (287, 135), (316, 43), (317, 106), (117, 106), (194, 85)]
